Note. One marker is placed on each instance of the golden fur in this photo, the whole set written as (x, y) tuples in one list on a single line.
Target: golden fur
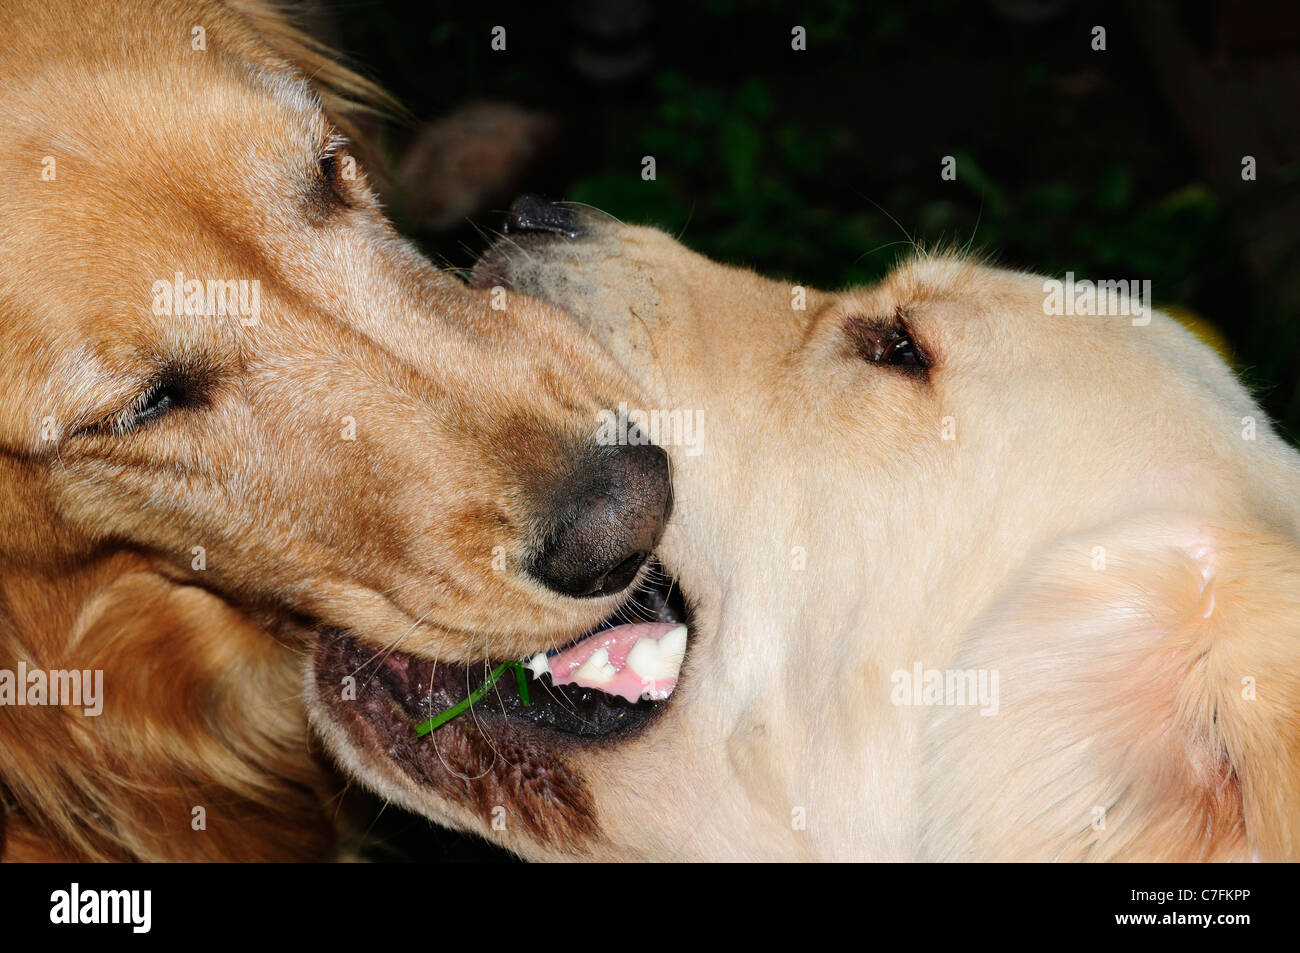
[(352, 459), (843, 522)]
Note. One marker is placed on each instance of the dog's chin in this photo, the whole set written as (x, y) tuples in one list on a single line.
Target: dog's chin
[(512, 758)]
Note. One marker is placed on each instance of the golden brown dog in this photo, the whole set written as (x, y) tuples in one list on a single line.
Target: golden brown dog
[(969, 580), (241, 418), (963, 579)]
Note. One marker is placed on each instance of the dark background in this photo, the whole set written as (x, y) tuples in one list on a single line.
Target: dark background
[(820, 165), (823, 165)]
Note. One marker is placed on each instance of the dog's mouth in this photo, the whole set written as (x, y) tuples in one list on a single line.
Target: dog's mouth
[(608, 681), (600, 688)]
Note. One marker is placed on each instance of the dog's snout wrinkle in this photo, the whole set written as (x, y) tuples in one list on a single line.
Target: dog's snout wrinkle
[(613, 513)]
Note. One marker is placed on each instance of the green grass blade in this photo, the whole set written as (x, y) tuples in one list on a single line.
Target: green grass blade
[(521, 682), (437, 721)]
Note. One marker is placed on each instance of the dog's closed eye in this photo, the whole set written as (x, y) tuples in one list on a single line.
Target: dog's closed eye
[(887, 342), (158, 400), (333, 187), (171, 390)]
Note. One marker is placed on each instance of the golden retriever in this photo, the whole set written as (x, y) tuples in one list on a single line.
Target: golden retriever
[(961, 579), (240, 417), (965, 579)]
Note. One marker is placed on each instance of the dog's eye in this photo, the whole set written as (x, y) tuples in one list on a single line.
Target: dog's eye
[(157, 401), (901, 353), (329, 174), (329, 167), (886, 342), (335, 173)]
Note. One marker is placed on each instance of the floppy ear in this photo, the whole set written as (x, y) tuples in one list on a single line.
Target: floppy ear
[(196, 706), (1148, 709), (344, 92), (353, 103)]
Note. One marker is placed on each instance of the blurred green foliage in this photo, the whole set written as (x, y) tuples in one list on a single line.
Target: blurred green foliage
[(734, 176), (824, 165)]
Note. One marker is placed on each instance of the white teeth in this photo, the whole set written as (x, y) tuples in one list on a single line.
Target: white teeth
[(538, 665), (646, 660), (661, 659), (597, 668), (673, 647)]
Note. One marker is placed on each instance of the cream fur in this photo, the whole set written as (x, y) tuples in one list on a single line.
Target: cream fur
[(1120, 687)]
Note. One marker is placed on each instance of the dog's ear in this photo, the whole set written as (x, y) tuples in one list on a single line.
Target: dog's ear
[(342, 89), (353, 103), (1148, 704), (193, 704)]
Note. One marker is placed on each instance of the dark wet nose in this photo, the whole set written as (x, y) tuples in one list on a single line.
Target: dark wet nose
[(531, 213), (612, 512)]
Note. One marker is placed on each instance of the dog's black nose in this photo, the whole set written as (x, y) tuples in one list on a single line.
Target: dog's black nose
[(608, 522), (531, 213)]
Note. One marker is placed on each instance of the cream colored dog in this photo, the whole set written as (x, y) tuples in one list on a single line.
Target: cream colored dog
[(968, 580)]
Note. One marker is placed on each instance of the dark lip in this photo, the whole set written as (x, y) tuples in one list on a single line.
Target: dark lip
[(396, 692), (498, 755)]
